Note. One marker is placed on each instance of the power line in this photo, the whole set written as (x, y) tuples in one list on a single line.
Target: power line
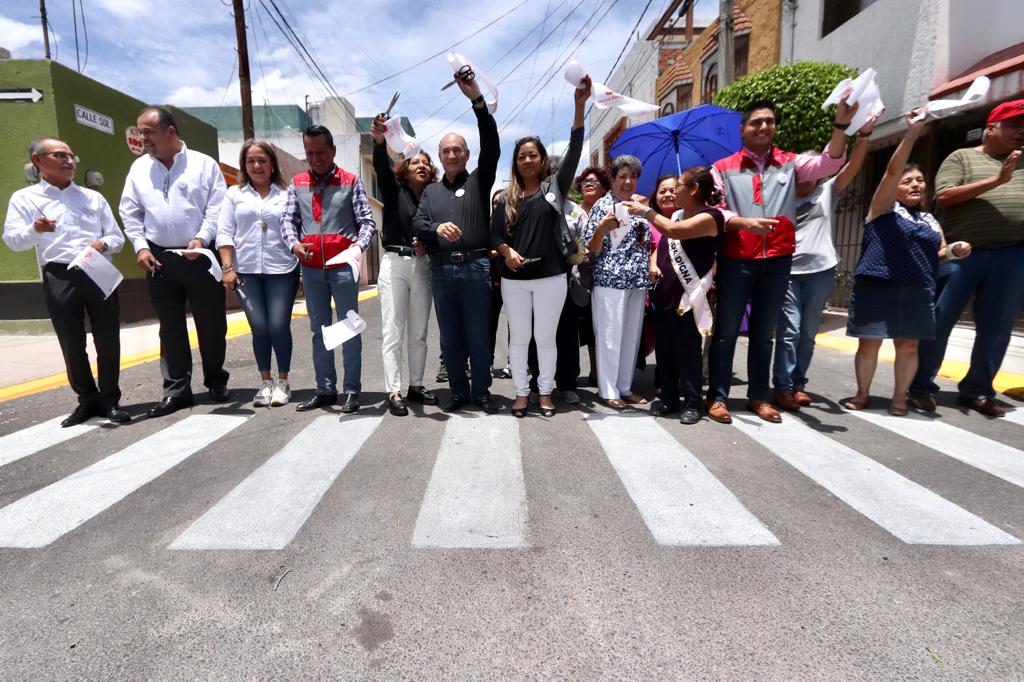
[(623, 50)]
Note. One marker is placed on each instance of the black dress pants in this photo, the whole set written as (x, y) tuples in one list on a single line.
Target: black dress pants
[(679, 348), (177, 282), (70, 295)]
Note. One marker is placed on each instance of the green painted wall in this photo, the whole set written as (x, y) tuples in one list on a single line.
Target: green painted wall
[(62, 89)]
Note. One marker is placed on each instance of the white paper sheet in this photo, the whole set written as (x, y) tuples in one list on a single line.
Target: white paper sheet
[(605, 98), (574, 74), (215, 271), (351, 257), (863, 91), (940, 108), (99, 269), (625, 224), (400, 141), (490, 90), (344, 329)]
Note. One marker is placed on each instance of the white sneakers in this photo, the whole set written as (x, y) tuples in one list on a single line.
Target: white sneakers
[(274, 395)]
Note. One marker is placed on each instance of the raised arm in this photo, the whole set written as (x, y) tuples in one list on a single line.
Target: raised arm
[(382, 162), (885, 194), (860, 152), (567, 171)]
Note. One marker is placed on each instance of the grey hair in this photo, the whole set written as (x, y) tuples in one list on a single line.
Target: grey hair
[(38, 146), (626, 161)]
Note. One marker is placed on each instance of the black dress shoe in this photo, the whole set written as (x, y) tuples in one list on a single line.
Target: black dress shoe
[(351, 403), (117, 414), (170, 404), (454, 404), (317, 401), (487, 404), (220, 394), (82, 413), (663, 409), (396, 405), (421, 395), (689, 415)]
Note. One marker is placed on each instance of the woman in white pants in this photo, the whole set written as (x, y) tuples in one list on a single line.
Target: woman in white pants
[(404, 279), (621, 258), (529, 231)]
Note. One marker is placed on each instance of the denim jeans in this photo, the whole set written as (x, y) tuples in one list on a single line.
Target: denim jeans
[(320, 287), (462, 301), (269, 311), (763, 282), (995, 278), (798, 325)]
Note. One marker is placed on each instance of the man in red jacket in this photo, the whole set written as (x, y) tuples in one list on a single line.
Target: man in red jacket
[(759, 181)]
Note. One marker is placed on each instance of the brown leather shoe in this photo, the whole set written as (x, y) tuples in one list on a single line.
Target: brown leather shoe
[(786, 400), (986, 406), (719, 412), (922, 401), (802, 399), (764, 410)]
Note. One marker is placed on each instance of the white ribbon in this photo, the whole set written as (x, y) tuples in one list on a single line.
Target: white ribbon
[(940, 108), (457, 61), (352, 257), (695, 289), (99, 269), (399, 140), (344, 329), (863, 91), (215, 271), (605, 97)]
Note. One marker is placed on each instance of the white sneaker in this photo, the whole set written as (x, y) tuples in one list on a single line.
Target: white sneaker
[(262, 398), (282, 393)]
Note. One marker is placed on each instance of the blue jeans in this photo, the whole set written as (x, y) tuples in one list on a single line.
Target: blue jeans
[(462, 301), (995, 278), (320, 286), (269, 311), (798, 325), (763, 282)]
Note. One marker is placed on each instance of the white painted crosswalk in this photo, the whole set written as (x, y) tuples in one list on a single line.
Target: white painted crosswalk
[(681, 502), (268, 508), (979, 452), (476, 497), (909, 511), (37, 438), (42, 517)]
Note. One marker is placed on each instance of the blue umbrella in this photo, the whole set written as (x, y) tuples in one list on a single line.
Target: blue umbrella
[(695, 137)]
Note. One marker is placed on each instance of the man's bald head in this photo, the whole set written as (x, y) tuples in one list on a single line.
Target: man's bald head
[(454, 154)]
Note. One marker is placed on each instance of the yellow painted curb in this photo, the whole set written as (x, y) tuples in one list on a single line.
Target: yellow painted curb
[(236, 328)]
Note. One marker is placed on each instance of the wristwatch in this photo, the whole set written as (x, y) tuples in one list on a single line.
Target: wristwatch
[(477, 100)]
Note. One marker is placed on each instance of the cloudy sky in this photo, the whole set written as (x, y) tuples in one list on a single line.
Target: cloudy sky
[(182, 52)]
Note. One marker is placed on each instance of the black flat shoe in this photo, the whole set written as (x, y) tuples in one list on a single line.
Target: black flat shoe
[(689, 415), (317, 401), (487, 404), (396, 405), (454, 404), (170, 404), (117, 414), (82, 414), (422, 396), (351, 403), (220, 394)]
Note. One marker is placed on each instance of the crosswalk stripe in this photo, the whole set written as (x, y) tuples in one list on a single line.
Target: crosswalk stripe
[(906, 509), (1015, 416), (268, 508), (979, 452), (476, 497), (36, 438), (681, 502), (40, 518)]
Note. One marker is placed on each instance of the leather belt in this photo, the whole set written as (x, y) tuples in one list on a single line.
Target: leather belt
[(461, 256), (400, 250)]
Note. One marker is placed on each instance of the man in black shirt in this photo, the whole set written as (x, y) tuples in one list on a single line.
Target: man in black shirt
[(453, 220)]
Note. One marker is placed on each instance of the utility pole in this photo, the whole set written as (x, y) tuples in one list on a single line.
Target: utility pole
[(46, 29), (726, 49), (248, 129)]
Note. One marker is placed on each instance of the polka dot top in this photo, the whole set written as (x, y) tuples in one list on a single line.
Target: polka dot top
[(901, 245)]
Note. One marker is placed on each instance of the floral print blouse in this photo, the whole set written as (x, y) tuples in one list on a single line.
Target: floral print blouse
[(625, 266)]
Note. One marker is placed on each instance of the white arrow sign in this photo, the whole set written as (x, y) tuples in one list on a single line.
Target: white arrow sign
[(32, 95)]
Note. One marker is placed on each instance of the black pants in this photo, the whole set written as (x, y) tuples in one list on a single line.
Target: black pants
[(177, 282), (70, 294), (679, 348), (567, 343)]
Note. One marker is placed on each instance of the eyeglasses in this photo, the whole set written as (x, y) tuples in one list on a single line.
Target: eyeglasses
[(590, 182), (62, 156)]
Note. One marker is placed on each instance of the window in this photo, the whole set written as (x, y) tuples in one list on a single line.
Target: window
[(667, 109), (838, 12), (739, 60), (612, 137), (710, 85)]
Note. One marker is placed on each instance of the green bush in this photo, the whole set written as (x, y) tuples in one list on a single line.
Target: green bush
[(798, 91)]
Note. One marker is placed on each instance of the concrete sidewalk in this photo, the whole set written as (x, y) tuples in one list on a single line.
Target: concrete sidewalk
[(33, 363)]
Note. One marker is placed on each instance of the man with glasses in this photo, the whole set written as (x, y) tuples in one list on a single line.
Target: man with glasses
[(171, 200), (453, 220), (60, 219)]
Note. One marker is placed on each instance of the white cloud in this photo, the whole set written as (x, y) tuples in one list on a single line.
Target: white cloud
[(198, 96), (16, 35), (128, 9)]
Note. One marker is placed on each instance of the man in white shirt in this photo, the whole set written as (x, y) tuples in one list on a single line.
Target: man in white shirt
[(171, 200), (60, 219)]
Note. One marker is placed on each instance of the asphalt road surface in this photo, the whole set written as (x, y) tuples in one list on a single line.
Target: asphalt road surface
[(231, 542)]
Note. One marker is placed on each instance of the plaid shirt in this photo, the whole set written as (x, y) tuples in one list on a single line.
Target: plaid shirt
[(291, 219)]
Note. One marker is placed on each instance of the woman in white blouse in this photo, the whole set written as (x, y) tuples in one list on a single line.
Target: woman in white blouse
[(259, 266)]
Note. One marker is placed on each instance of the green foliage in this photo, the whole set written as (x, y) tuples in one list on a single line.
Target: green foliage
[(798, 91)]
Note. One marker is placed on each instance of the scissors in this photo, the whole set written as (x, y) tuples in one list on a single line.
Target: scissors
[(387, 114), (464, 73)]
